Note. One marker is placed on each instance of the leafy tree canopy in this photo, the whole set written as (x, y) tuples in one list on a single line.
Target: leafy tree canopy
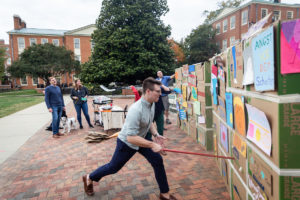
[(211, 15), (178, 51), (2, 62), (130, 42), (44, 61), (199, 46)]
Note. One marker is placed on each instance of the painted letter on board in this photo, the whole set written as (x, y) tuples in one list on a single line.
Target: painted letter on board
[(263, 60)]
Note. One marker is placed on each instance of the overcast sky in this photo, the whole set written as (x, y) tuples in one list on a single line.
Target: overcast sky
[(184, 15)]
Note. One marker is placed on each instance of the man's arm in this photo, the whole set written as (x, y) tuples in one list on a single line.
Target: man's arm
[(172, 76), (141, 142)]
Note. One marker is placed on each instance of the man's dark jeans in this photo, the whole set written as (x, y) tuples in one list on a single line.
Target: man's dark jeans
[(122, 154)]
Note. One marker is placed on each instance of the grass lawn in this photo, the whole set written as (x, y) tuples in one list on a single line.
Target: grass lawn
[(11, 102)]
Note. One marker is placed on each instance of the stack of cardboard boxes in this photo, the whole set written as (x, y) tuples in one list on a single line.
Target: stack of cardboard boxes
[(194, 102), (259, 128)]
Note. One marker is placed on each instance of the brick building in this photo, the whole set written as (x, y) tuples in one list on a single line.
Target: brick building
[(77, 40), (232, 23)]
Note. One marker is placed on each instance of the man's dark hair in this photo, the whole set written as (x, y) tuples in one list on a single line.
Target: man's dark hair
[(149, 83)]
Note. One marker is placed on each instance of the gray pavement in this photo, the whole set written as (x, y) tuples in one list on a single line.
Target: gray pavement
[(17, 128)]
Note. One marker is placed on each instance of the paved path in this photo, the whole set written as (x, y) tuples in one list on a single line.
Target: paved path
[(17, 128), (47, 168)]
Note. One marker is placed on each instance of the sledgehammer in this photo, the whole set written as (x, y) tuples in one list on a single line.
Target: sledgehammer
[(199, 154)]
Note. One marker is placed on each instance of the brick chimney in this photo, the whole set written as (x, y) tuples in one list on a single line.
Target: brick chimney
[(23, 24), (17, 22)]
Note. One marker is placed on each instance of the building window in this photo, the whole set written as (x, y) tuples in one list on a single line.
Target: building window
[(76, 43), (32, 41), (21, 44), (74, 77), (244, 17), (232, 41), (276, 15), (92, 45), (24, 80), (78, 58), (225, 25), (58, 79), (55, 42), (34, 80), (264, 12), (218, 27), (8, 61), (289, 15), (224, 45), (232, 22), (44, 40)]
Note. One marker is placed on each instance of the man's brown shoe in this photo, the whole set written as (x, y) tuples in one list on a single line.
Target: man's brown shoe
[(60, 134), (161, 197), (55, 136), (88, 188)]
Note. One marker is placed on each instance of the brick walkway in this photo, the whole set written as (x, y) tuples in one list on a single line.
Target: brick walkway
[(47, 168)]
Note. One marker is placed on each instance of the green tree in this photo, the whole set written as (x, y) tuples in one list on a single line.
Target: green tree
[(2, 62), (130, 42), (199, 46), (211, 15), (44, 61)]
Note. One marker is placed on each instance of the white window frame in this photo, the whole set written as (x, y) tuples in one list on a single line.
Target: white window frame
[(78, 58), (279, 17), (23, 83), (218, 30), (287, 14), (21, 44), (32, 41), (37, 80), (261, 13), (44, 40), (92, 45), (244, 17), (224, 42), (225, 25), (54, 42), (8, 61), (232, 25), (58, 79), (75, 43), (74, 77)]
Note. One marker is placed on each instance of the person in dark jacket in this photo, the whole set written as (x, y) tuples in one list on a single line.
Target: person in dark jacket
[(79, 96), (55, 104)]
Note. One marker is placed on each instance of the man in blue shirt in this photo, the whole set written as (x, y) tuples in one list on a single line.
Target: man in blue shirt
[(55, 104), (165, 98)]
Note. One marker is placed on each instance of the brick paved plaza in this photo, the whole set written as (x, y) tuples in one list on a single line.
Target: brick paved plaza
[(47, 168)]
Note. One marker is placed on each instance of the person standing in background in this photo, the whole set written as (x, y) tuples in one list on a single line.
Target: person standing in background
[(79, 96), (165, 98), (55, 104)]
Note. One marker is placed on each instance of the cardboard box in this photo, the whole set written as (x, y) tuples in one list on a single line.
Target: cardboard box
[(204, 93), (239, 163), (190, 108), (222, 108), (224, 168), (184, 126), (284, 121), (205, 137), (178, 74), (199, 72), (238, 191), (265, 182), (192, 129)]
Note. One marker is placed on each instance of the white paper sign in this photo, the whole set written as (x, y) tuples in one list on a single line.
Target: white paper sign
[(259, 131)]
